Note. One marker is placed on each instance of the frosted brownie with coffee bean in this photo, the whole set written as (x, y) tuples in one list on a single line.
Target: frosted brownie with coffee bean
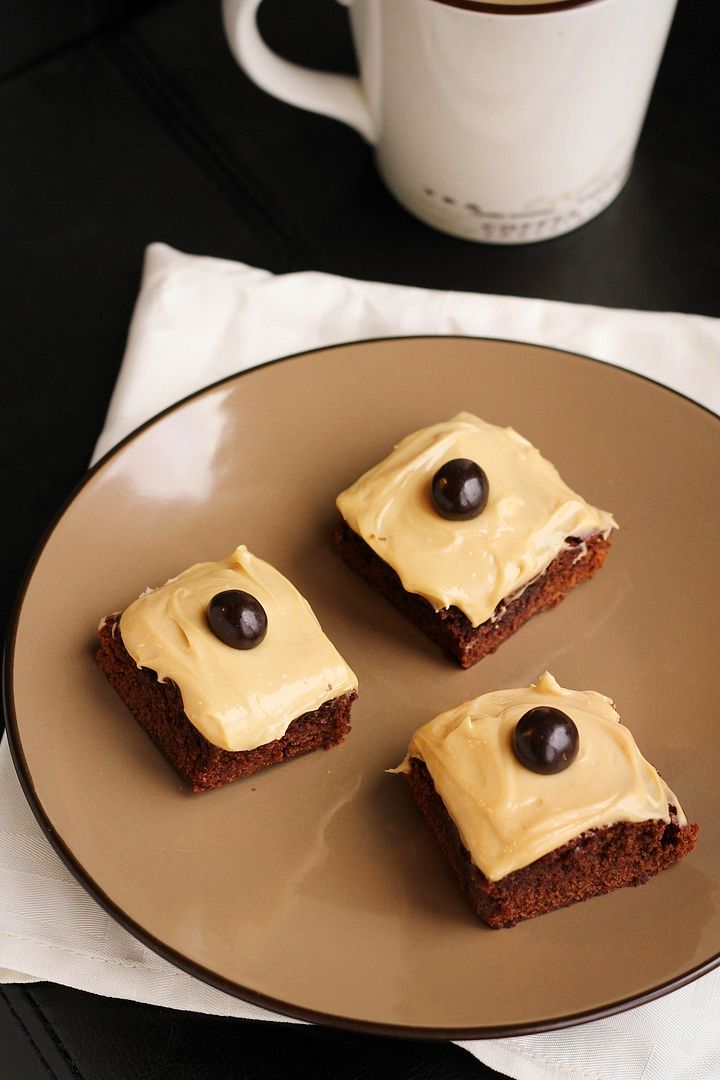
[(470, 532), (227, 669), (540, 798)]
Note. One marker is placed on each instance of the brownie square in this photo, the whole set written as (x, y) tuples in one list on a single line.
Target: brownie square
[(449, 627), (539, 798), (158, 708), (596, 862), (228, 670), (469, 531)]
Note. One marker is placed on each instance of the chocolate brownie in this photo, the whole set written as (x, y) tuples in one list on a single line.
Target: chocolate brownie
[(469, 532), (228, 670), (596, 862), (539, 798), (449, 627), (158, 708)]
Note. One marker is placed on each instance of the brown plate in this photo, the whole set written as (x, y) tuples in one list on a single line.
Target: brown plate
[(314, 887)]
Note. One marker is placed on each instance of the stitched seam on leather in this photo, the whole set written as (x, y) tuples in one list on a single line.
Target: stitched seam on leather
[(52, 1034), (78, 41), (180, 119), (27, 1034)]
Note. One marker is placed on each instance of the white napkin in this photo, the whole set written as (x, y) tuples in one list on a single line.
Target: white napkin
[(197, 320)]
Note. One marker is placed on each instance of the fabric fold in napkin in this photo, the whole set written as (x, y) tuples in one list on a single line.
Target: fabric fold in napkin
[(198, 320)]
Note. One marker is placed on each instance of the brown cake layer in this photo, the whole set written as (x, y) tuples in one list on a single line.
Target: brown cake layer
[(450, 628), (596, 862), (158, 708)]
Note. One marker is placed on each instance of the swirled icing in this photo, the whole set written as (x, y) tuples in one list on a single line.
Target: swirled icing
[(508, 816)]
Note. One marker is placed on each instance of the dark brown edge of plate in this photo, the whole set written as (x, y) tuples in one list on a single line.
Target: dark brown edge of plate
[(178, 960)]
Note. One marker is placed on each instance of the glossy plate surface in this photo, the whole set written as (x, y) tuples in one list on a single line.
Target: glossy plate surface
[(314, 887)]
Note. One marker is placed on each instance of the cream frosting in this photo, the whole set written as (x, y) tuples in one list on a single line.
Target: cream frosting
[(474, 564), (509, 816), (238, 699)]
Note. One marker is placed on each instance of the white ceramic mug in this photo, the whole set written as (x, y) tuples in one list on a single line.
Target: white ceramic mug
[(503, 122)]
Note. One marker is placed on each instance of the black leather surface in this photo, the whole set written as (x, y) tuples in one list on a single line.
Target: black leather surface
[(33, 31), (123, 123), (76, 1035)]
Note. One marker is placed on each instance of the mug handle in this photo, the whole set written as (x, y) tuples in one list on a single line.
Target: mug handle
[(338, 96)]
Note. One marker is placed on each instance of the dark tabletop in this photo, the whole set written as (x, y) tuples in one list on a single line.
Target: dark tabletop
[(127, 121)]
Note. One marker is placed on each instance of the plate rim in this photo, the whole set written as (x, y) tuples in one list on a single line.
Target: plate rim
[(166, 952)]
